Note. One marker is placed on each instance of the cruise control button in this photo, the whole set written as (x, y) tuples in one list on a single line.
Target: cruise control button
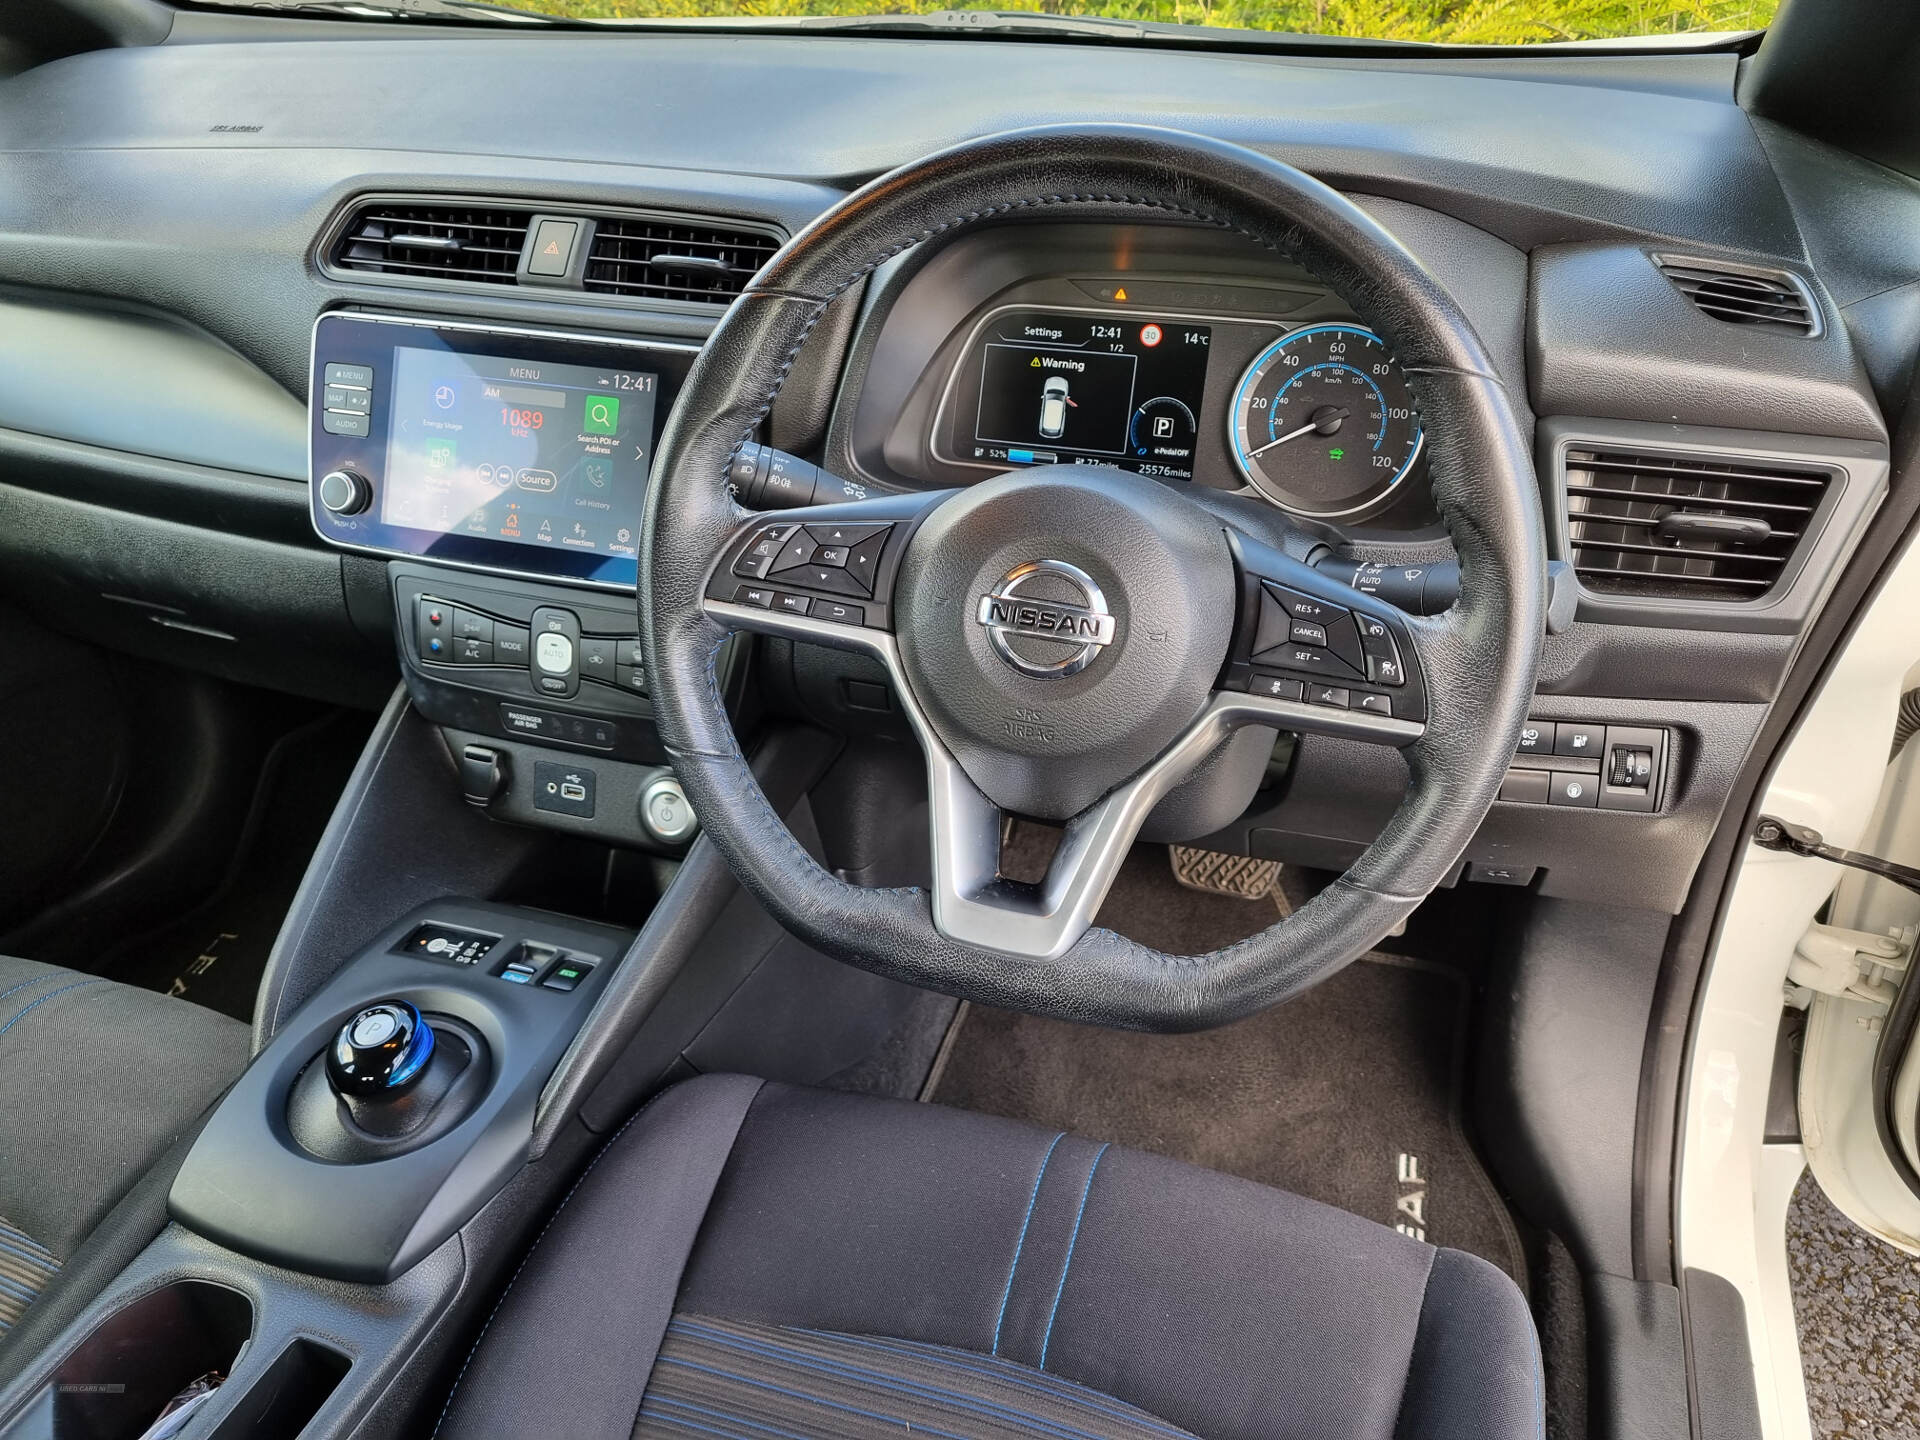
[(1304, 607), (1311, 660), (840, 614), (1305, 634), (1383, 663), (1332, 696), (1276, 687)]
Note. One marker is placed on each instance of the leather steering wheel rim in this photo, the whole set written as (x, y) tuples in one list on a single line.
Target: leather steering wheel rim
[(1479, 658)]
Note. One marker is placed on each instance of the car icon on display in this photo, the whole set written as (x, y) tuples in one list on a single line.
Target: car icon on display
[(1053, 407)]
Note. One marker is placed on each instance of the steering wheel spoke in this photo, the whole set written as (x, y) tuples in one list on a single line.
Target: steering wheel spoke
[(1313, 655), (819, 572)]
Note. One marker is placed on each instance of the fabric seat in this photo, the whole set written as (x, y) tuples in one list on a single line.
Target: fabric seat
[(97, 1079), (763, 1262)]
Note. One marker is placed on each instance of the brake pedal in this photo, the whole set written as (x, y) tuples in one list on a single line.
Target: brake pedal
[(1216, 873)]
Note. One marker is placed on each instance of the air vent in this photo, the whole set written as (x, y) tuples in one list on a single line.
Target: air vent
[(667, 259), (434, 242), (1771, 299), (1686, 528)]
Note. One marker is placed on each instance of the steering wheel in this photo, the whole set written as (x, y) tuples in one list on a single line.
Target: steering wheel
[(1071, 643)]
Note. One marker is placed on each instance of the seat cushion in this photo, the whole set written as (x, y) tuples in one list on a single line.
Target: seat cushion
[(765, 1261), (98, 1079)]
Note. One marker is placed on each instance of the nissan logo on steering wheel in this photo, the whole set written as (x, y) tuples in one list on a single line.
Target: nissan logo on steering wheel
[(1047, 619)]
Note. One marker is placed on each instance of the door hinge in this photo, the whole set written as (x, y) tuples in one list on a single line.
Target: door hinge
[(1853, 964)]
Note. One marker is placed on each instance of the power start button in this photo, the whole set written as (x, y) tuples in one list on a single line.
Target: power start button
[(665, 812)]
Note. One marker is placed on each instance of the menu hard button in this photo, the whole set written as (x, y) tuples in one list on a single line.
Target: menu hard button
[(359, 376)]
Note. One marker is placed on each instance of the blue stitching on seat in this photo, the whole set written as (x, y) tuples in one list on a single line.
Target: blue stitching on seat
[(880, 1380), (77, 985), (17, 1288), (1072, 1240), (1021, 1244), (49, 975), (820, 1400), (1011, 1372)]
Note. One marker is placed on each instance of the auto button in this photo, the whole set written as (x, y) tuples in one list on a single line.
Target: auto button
[(556, 651)]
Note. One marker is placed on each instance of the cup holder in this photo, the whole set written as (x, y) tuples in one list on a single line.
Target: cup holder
[(141, 1356), (138, 1359)]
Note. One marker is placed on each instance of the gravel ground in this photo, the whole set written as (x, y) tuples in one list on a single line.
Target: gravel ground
[(1857, 1303)]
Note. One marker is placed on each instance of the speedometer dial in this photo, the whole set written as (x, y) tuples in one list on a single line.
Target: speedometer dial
[(1323, 423)]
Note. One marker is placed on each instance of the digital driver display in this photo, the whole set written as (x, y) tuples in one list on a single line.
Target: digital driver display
[(1057, 387), (532, 452)]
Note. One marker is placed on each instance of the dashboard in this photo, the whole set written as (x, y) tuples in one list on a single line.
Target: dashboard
[(492, 434)]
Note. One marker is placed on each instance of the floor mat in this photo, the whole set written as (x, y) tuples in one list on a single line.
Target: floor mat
[(1856, 1302), (1349, 1093), (216, 953)]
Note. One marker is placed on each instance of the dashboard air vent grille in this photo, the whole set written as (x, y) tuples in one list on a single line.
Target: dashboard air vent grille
[(1772, 299), (438, 242), (670, 259), (1686, 528)]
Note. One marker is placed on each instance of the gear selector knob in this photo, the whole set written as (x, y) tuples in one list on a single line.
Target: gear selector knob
[(381, 1050)]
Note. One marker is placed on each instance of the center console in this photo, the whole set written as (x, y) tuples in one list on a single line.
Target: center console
[(502, 471)]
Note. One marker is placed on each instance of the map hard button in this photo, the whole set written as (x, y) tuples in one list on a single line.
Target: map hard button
[(347, 397)]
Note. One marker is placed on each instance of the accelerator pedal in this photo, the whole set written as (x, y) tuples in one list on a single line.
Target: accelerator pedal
[(1240, 876)]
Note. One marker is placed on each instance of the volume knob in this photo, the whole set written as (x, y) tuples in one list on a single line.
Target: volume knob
[(345, 493)]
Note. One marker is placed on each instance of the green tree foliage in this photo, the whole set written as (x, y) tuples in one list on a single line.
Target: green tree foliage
[(1458, 22)]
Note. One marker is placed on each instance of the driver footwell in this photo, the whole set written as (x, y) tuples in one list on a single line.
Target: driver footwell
[(1349, 1094)]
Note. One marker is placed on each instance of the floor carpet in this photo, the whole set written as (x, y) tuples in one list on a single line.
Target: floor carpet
[(216, 953), (1349, 1093)]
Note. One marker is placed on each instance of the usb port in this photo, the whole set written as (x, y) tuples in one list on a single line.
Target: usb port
[(573, 790)]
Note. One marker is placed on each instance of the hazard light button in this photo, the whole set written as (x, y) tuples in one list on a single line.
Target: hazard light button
[(553, 242)]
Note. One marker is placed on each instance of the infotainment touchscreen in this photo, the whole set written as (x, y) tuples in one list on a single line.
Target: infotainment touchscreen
[(498, 448), (528, 451)]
